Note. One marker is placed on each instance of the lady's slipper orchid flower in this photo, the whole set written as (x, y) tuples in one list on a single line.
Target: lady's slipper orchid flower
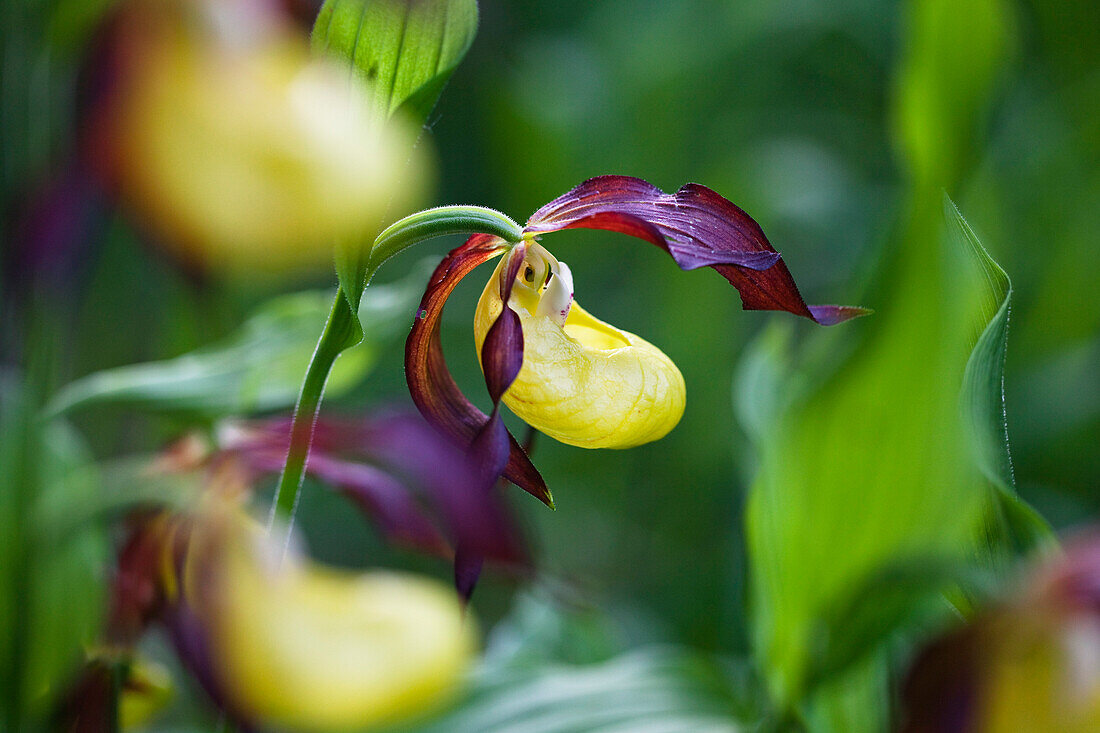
[(565, 372)]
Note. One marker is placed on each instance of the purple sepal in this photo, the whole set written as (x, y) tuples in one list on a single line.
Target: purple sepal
[(698, 228), (52, 237), (384, 499), (467, 572), (422, 491), (490, 451), (431, 386), (695, 225)]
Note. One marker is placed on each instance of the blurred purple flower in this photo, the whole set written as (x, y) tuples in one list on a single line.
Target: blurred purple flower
[(422, 491), (1031, 663)]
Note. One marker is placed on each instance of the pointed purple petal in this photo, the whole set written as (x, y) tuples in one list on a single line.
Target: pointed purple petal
[(421, 490), (698, 228), (467, 571), (694, 225), (490, 450), (458, 484), (502, 350), (431, 386)]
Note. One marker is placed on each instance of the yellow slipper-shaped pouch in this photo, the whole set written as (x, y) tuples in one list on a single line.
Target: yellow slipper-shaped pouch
[(583, 382)]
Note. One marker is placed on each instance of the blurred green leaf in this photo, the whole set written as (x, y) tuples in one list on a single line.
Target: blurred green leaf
[(874, 491), (901, 595), (524, 686), (651, 688), (873, 468), (956, 54), (258, 369), (51, 592), (404, 51), (16, 480), (120, 486)]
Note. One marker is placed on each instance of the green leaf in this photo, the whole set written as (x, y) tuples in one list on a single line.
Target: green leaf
[(404, 50), (51, 592), (656, 689), (537, 676), (260, 367), (983, 403), (876, 465), (871, 464), (905, 594), (955, 56)]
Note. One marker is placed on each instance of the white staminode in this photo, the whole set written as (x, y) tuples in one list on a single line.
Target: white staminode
[(557, 297)]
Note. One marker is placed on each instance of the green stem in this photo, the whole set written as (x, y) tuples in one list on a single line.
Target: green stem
[(438, 222), (333, 339), (342, 330)]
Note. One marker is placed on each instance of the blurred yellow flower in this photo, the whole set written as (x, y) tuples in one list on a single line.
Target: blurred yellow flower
[(243, 152), (304, 647), (147, 691)]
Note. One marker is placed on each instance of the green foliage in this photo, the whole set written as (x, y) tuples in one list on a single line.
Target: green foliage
[(877, 466), (874, 492), (983, 401), (258, 369), (404, 52), (956, 55), (51, 590), (549, 670)]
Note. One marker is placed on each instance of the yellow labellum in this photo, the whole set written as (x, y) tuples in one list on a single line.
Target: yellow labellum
[(304, 647), (585, 383)]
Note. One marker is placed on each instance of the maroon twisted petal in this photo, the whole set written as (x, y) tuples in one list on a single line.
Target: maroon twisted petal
[(698, 228)]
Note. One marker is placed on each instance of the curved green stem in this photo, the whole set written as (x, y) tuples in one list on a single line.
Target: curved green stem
[(333, 339), (436, 223), (343, 330)]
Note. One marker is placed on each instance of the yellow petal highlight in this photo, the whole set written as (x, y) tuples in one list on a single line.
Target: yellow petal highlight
[(252, 156), (588, 384), (309, 648), (147, 692)]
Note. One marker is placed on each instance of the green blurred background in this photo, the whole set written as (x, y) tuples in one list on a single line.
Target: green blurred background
[(782, 107)]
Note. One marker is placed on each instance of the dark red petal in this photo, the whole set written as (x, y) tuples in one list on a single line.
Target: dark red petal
[(457, 484), (502, 353), (942, 690), (774, 290), (694, 225), (490, 449), (137, 594), (433, 389), (698, 228)]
